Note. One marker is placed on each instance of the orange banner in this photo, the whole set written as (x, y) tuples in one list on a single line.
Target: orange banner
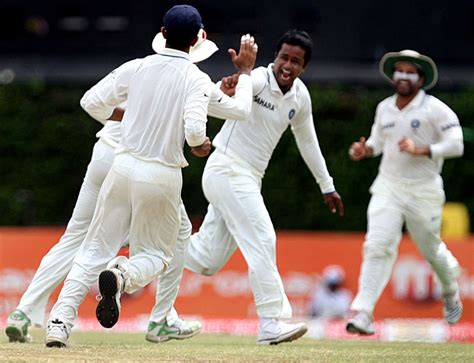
[(412, 291)]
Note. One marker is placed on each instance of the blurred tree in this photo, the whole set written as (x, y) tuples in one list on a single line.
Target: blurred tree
[(46, 141)]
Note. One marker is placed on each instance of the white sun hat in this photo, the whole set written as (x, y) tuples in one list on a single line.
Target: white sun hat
[(426, 64), (202, 50)]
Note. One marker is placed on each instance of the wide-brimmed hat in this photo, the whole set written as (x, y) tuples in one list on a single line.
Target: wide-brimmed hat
[(426, 64), (202, 50)]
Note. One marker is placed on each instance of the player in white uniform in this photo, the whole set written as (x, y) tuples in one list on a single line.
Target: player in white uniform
[(414, 132), (58, 261), (141, 193), (237, 216)]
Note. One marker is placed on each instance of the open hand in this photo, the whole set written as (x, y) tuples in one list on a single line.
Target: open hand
[(245, 60)]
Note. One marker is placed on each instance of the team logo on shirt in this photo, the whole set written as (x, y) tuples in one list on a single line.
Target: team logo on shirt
[(291, 114), (264, 103), (415, 124)]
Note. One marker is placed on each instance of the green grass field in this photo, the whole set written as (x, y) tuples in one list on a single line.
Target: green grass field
[(125, 347)]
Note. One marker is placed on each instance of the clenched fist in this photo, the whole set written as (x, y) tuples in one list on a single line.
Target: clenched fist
[(202, 150)]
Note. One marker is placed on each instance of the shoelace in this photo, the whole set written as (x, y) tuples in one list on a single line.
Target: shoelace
[(58, 324)]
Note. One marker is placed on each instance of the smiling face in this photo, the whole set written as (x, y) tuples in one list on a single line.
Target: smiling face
[(406, 79), (288, 65)]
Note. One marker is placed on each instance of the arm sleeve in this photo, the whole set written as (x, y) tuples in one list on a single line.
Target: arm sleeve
[(195, 108), (234, 108), (450, 144), (302, 127), (376, 140), (111, 91)]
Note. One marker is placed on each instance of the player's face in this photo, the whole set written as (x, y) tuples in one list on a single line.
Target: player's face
[(288, 65), (405, 79)]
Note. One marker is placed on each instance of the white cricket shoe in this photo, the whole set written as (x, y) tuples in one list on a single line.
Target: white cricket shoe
[(180, 329), (361, 323), (57, 334), (18, 327), (280, 332), (453, 309), (111, 286)]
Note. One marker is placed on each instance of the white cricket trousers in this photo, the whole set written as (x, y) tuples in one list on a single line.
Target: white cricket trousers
[(139, 197), (237, 217), (419, 206), (58, 261), (168, 284)]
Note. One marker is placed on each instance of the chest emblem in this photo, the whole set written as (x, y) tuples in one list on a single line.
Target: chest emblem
[(291, 114), (415, 124), (267, 104)]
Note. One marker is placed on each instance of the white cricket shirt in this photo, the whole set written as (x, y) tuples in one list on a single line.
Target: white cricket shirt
[(167, 98), (253, 141), (427, 121), (220, 105)]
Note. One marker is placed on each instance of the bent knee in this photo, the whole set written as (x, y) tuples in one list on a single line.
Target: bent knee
[(379, 249)]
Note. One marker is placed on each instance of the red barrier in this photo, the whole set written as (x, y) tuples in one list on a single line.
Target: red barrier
[(411, 293)]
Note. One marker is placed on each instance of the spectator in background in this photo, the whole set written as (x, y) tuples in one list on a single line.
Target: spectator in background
[(331, 300)]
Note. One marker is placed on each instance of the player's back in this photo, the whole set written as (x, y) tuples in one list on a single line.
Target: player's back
[(153, 126)]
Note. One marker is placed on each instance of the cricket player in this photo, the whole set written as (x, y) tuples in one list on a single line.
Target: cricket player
[(414, 132), (232, 179), (58, 261), (141, 193)]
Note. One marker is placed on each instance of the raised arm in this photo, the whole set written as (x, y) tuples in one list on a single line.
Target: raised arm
[(221, 105)]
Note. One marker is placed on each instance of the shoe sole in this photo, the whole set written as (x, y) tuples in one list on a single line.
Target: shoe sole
[(107, 311), (14, 335), (286, 338), (164, 338), (55, 344), (353, 329)]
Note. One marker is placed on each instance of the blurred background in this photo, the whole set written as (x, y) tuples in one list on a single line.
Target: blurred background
[(52, 51)]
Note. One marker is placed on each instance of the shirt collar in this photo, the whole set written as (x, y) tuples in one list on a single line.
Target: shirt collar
[(274, 84), (418, 99), (170, 52), (416, 102)]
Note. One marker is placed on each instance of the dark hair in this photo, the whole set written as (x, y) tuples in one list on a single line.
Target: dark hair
[(299, 38), (180, 40)]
